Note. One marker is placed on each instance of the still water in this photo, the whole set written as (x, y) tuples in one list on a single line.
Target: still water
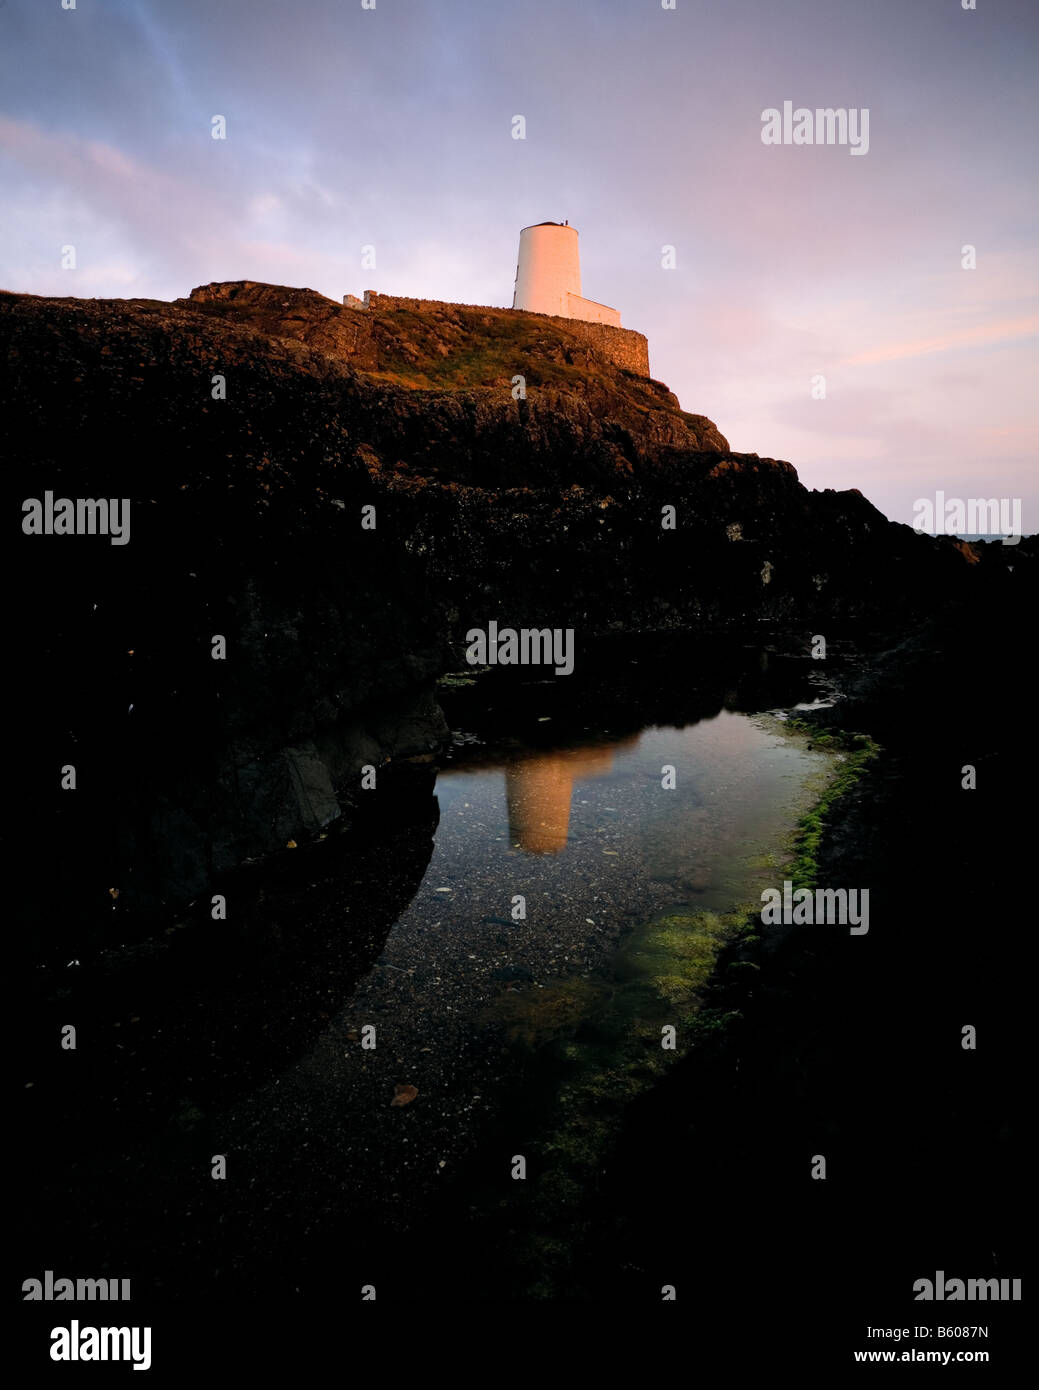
[(572, 909), (489, 969)]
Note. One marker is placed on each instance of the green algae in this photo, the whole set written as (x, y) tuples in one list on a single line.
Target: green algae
[(856, 753), (532, 1018), (660, 972), (456, 680), (676, 953), (608, 1041)]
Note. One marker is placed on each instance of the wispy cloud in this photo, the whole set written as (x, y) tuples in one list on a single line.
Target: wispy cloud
[(981, 335)]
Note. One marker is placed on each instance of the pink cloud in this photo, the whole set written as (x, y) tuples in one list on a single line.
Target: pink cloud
[(1002, 331)]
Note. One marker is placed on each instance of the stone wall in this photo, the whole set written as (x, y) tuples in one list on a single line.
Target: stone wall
[(589, 311), (621, 346)]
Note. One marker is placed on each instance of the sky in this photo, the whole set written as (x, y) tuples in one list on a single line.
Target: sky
[(392, 127)]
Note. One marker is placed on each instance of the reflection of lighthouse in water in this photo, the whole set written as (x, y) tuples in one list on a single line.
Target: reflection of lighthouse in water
[(539, 788)]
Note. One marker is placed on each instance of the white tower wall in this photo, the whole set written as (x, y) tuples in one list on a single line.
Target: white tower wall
[(549, 269)]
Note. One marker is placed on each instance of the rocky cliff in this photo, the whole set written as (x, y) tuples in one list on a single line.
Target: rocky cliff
[(249, 425)]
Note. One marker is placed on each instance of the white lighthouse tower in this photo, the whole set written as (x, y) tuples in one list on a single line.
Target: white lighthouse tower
[(548, 276)]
